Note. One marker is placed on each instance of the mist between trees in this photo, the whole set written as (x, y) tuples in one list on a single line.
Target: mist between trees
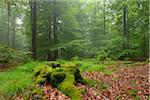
[(53, 29)]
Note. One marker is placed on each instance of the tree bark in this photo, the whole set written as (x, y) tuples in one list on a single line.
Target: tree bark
[(126, 35), (8, 23), (14, 31), (55, 28), (104, 12), (33, 28)]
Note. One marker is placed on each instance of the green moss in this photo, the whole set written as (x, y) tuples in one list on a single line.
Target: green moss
[(54, 64), (62, 76), (42, 70), (42, 74), (73, 69), (40, 80), (83, 91), (37, 91), (68, 88), (133, 92), (90, 82), (57, 77), (102, 86)]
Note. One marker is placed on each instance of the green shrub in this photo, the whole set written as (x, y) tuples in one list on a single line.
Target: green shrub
[(8, 54), (5, 54)]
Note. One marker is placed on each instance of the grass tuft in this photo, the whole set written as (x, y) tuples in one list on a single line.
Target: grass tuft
[(18, 79)]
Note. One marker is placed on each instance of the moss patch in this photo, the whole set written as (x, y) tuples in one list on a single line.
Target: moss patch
[(68, 87), (63, 76)]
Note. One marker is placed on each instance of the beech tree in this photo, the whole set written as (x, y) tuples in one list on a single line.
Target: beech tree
[(33, 28)]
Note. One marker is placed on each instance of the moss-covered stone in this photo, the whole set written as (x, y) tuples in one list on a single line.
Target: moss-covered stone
[(62, 76), (57, 77), (68, 87), (83, 91), (37, 91), (73, 69), (42, 74), (40, 80), (53, 64)]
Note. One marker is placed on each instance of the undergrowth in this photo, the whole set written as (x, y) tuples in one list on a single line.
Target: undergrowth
[(18, 79), (89, 65)]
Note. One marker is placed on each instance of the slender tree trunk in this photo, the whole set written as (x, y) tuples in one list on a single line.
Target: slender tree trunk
[(144, 47), (125, 24), (143, 36), (49, 54), (33, 28), (13, 21), (8, 23), (14, 31), (104, 12), (93, 35), (118, 28), (55, 28)]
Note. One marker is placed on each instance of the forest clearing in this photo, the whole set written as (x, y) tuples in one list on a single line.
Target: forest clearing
[(74, 50)]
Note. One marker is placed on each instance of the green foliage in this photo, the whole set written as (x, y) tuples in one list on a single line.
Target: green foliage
[(93, 30), (18, 79), (134, 94), (90, 82), (127, 53), (37, 91), (5, 54), (74, 43), (90, 66), (8, 54)]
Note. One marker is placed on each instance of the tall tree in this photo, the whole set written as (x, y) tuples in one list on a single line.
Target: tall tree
[(49, 30), (14, 32), (55, 28), (104, 14), (8, 22), (33, 28), (126, 34), (14, 26)]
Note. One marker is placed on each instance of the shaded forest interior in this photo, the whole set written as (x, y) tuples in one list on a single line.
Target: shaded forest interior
[(77, 49), (56, 29)]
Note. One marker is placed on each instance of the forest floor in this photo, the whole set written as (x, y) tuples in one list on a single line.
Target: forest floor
[(128, 80), (125, 83)]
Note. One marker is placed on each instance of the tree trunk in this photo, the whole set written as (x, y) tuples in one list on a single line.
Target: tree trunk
[(125, 24), (8, 23), (144, 46), (55, 28), (49, 53), (104, 16), (33, 28), (14, 31)]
